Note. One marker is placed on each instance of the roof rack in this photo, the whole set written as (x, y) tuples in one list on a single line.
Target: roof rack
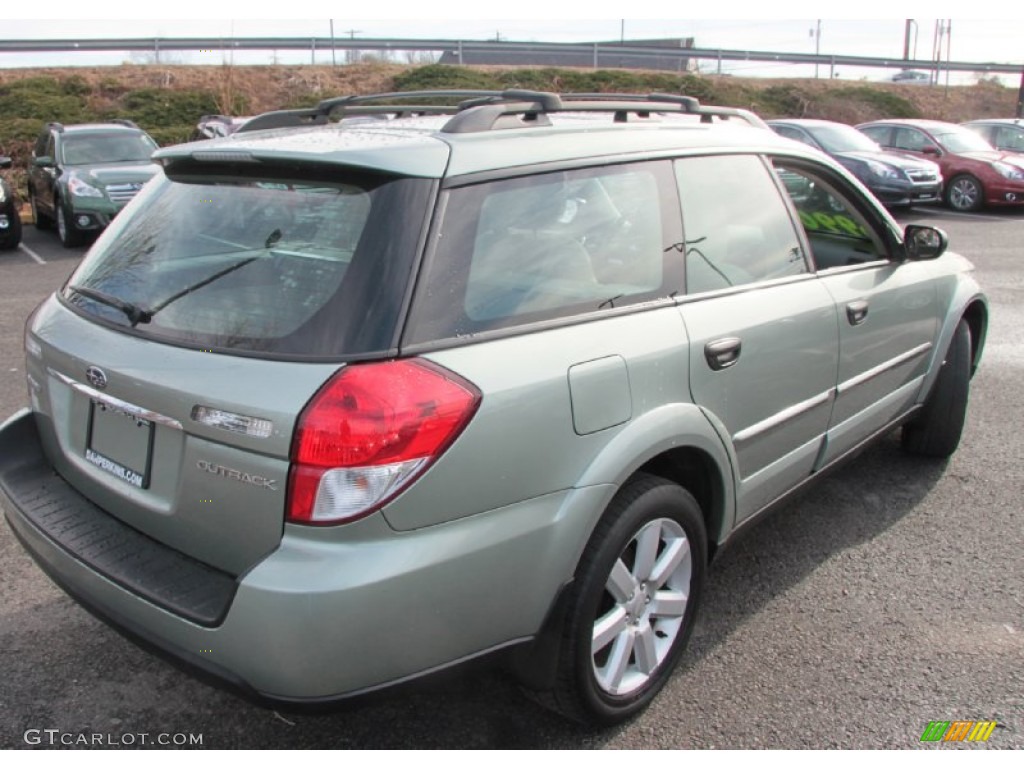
[(479, 111), (356, 106), (124, 122)]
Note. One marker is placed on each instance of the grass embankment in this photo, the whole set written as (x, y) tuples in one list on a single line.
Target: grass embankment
[(168, 100)]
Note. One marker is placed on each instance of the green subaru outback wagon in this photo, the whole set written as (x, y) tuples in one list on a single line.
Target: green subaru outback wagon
[(81, 176), (366, 390)]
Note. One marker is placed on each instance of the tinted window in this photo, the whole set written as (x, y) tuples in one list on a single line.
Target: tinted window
[(547, 246), (842, 138), (736, 225), (40, 147), (1010, 138), (878, 133), (289, 266), (838, 232), (912, 140), (793, 133)]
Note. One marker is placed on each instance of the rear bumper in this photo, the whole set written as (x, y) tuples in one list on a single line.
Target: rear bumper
[(319, 618)]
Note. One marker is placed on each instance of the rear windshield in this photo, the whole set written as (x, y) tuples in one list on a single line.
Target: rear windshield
[(287, 267)]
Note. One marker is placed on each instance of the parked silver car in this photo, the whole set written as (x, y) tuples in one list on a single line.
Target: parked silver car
[(331, 406)]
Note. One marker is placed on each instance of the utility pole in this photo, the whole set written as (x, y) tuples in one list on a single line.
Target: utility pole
[(1020, 96), (334, 60), (351, 54), (911, 24), (816, 34)]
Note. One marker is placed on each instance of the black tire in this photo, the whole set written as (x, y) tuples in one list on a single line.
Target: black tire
[(965, 193), (936, 431), (585, 689), (11, 237), (70, 235), (40, 219)]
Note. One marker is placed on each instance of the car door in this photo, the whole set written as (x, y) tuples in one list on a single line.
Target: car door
[(762, 329), (887, 309), (48, 177)]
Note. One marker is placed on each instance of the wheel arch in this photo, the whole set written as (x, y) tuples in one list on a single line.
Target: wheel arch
[(679, 443), (968, 304), (697, 472), (976, 315)]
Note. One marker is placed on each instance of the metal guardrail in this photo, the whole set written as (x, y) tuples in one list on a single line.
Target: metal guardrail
[(462, 47)]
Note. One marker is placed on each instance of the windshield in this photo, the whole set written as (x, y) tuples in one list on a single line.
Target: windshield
[(962, 140), (297, 267), (842, 138), (97, 148)]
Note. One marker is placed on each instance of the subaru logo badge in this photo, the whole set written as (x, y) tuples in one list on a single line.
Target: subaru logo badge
[(96, 377)]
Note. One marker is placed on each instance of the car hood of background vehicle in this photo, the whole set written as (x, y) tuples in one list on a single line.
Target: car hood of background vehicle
[(899, 161), (119, 173)]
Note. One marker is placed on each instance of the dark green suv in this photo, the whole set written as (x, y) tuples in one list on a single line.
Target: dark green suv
[(81, 176)]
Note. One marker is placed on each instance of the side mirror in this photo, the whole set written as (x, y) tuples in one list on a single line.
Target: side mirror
[(924, 242), (5, 162), (43, 161), (932, 150)]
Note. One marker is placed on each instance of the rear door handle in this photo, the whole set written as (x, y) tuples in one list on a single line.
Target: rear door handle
[(722, 353), (857, 312)]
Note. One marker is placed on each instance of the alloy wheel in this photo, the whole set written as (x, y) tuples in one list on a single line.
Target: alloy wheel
[(642, 608)]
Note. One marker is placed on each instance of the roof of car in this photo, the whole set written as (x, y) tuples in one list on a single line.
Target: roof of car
[(927, 125), (417, 146), (105, 127), (996, 121), (806, 121)]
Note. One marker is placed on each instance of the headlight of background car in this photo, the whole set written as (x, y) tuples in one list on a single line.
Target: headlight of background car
[(1009, 171), (883, 171), (81, 189)]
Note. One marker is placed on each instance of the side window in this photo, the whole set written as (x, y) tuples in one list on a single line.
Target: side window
[(736, 226), (878, 133), (1010, 138), (987, 132), (912, 140), (838, 233), (550, 245), (797, 135), (40, 147)]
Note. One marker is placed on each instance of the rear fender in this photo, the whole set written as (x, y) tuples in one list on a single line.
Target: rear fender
[(669, 427)]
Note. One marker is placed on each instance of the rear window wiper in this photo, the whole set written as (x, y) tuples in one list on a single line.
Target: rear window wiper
[(202, 283), (134, 313)]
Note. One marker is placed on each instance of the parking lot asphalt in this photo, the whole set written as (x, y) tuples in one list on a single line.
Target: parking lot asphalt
[(886, 597)]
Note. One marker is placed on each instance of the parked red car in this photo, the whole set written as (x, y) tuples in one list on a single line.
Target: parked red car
[(976, 173)]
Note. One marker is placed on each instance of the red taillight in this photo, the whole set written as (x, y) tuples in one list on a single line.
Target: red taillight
[(369, 432)]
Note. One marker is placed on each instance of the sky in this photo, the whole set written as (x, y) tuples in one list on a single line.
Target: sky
[(1000, 40)]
